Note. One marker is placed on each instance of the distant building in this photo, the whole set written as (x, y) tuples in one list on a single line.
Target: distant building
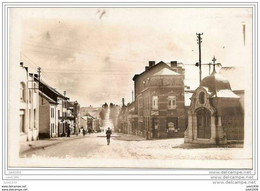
[(128, 120), (83, 123), (73, 116), (216, 114)]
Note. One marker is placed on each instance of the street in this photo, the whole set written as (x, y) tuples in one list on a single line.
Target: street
[(124, 146)]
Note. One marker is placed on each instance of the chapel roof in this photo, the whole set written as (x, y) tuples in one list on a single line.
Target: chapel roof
[(215, 82), (218, 86)]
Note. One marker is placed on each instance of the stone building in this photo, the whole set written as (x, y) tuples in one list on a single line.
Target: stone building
[(29, 105), (159, 100), (216, 114)]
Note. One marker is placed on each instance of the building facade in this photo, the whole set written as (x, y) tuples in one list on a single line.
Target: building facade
[(158, 110), (28, 107), (53, 112), (216, 114), (73, 116)]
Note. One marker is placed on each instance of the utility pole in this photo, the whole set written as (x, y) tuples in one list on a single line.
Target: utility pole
[(199, 41), (39, 76), (244, 34)]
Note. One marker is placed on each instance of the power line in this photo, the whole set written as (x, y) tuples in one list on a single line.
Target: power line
[(82, 52)]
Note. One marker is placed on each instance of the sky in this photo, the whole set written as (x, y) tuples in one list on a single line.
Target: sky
[(93, 53)]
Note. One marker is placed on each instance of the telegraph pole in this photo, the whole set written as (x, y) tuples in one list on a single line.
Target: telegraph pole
[(199, 41), (39, 76)]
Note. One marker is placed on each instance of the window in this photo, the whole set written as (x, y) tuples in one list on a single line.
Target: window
[(140, 102), (58, 113), (51, 128), (52, 112), (30, 96), (22, 91), (202, 97), (155, 103), (34, 115), (30, 118), (22, 121), (35, 87), (171, 102)]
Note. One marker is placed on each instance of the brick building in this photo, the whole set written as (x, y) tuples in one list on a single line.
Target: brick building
[(159, 100)]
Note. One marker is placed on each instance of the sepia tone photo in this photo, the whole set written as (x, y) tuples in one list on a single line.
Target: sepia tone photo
[(167, 87)]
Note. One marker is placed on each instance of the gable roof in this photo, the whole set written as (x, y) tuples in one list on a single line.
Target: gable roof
[(151, 68), (50, 100), (48, 90), (165, 72)]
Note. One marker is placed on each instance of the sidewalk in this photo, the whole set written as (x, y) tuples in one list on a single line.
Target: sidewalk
[(127, 137), (43, 143)]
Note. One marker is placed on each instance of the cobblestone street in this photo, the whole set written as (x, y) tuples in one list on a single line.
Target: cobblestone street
[(129, 147)]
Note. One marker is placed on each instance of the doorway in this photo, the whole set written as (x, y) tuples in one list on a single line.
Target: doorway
[(203, 123)]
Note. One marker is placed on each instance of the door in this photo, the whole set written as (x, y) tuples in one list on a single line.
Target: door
[(203, 123), (155, 127)]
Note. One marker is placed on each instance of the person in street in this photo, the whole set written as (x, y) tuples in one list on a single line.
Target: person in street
[(108, 133)]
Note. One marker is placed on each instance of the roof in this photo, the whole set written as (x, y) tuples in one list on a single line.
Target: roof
[(50, 100), (226, 94), (89, 116), (83, 118), (215, 82), (150, 68), (218, 85), (165, 71), (50, 88)]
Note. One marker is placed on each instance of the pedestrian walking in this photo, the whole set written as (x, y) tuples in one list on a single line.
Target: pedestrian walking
[(108, 133)]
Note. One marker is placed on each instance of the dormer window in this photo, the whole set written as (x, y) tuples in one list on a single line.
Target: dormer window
[(202, 98)]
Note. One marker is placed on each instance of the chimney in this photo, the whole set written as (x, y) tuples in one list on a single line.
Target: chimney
[(173, 64), (151, 64), (123, 101), (21, 64), (146, 68)]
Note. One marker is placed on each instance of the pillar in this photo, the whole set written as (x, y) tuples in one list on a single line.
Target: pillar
[(188, 132), (221, 135), (213, 137), (194, 126)]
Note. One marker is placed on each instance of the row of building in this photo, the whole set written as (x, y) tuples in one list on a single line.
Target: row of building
[(90, 118), (164, 107), (44, 112)]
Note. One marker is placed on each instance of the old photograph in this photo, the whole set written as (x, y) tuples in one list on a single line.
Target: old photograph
[(130, 87)]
